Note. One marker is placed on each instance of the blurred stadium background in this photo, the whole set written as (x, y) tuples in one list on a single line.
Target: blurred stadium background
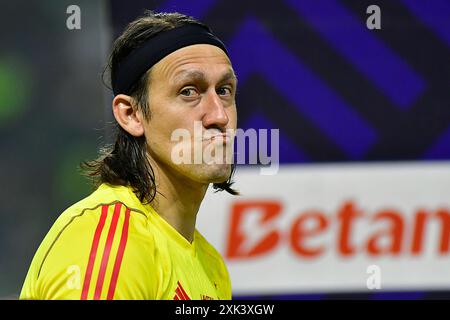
[(350, 103)]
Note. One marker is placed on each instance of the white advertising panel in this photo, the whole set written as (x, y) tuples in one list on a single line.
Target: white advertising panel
[(334, 228)]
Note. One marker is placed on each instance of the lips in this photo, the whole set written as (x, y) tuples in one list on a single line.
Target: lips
[(224, 136), (211, 136)]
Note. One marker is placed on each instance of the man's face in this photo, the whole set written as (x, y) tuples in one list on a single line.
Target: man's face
[(195, 84)]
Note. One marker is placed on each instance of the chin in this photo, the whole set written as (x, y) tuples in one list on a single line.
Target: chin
[(215, 173)]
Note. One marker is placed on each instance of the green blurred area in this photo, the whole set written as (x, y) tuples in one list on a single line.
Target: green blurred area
[(15, 89), (52, 111), (69, 182)]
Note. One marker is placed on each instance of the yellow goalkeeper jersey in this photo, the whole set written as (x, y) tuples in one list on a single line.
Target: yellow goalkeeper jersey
[(111, 246)]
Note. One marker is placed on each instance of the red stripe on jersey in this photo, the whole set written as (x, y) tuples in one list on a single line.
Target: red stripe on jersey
[(107, 251), (186, 297), (120, 252), (93, 253), (180, 294)]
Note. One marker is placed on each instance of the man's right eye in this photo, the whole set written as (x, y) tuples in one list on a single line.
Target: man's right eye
[(188, 92)]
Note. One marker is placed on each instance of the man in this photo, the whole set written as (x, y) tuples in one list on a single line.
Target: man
[(135, 237)]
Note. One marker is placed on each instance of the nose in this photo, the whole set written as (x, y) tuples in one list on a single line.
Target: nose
[(215, 114)]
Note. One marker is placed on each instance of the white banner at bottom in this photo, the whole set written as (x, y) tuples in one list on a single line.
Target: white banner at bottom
[(334, 228)]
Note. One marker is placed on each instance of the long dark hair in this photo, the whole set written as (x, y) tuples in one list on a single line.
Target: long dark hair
[(126, 162)]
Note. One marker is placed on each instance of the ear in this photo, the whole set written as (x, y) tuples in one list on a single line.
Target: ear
[(129, 118)]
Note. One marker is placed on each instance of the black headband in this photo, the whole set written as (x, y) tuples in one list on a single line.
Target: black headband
[(156, 48)]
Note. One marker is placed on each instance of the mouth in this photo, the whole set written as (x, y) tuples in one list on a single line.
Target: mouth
[(219, 137)]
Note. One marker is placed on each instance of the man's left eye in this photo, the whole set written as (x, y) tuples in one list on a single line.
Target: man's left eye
[(224, 91)]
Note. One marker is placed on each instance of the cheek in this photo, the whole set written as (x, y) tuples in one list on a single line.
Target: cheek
[(232, 116), (162, 126), (164, 120)]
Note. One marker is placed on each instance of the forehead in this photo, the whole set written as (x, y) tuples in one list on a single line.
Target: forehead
[(202, 57)]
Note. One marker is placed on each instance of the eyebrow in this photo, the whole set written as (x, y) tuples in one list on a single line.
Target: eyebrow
[(195, 75), (228, 76)]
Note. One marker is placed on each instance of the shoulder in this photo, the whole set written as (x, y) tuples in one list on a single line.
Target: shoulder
[(210, 255), (216, 267), (108, 209), (90, 244), (98, 219), (206, 247)]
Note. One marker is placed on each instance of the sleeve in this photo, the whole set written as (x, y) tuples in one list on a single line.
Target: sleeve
[(100, 254)]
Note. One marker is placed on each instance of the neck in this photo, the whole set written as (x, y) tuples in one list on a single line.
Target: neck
[(177, 200)]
